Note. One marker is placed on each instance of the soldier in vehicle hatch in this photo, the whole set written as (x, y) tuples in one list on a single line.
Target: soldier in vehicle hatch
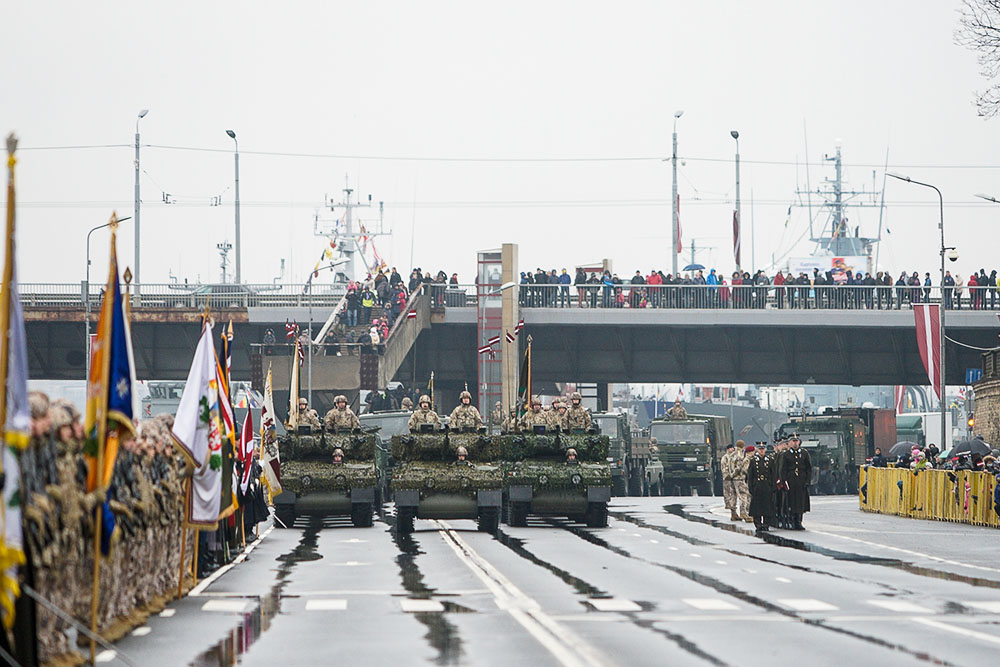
[(535, 416), (465, 415), (678, 411), (571, 457), (577, 416), (341, 416), (462, 457), (308, 416), (423, 415), (338, 455)]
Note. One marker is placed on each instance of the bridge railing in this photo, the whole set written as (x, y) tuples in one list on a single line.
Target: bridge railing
[(730, 297), (734, 297)]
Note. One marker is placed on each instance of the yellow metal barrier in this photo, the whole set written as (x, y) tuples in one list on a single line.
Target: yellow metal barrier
[(964, 496)]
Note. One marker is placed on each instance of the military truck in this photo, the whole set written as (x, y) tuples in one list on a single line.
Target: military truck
[(428, 481), (626, 470), (690, 450), (838, 441), (313, 484), (539, 480)]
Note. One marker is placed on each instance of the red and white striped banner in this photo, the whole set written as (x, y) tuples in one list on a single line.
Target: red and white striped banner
[(509, 336), (519, 326), (900, 397), (680, 243), (412, 315), (736, 236), (928, 321), (485, 349), (493, 341)]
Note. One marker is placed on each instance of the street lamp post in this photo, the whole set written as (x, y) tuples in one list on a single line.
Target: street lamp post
[(739, 218), (941, 309), (232, 135), (673, 199), (86, 296), (135, 213)]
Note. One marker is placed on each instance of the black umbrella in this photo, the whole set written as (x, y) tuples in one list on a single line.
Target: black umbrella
[(902, 447), (693, 267), (973, 446)]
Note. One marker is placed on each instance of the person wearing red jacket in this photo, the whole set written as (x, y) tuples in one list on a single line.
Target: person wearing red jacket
[(779, 292), (656, 292)]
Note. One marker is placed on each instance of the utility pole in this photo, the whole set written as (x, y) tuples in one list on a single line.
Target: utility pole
[(135, 213), (739, 218), (674, 234), (232, 135)]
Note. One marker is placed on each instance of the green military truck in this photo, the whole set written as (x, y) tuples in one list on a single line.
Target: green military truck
[(313, 484), (539, 480), (627, 470), (840, 440), (428, 481), (690, 450)]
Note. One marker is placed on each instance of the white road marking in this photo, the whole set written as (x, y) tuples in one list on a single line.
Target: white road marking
[(783, 580), (806, 604), (673, 548), (695, 555), (720, 562), (105, 656), (226, 605), (566, 646), (636, 535), (142, 631), (401, 592), (958, 631), (993, 607), (654, 541), (205, 583), (350, 563), (410, 605), (907, 551), (167, 613), (613, 604), (901, 606), (710, 604), (749, 571), (326, 605), (353, 540)]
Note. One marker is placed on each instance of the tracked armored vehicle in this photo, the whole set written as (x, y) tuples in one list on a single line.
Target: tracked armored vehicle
[(429, 482), (538, 478), (313, 484)]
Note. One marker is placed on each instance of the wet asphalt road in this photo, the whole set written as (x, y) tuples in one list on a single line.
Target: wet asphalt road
[(670, 581)]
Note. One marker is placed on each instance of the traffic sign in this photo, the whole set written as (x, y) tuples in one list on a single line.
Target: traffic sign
[(973, 375)]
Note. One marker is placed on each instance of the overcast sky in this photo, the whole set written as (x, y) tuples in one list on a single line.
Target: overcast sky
[(516, 80)]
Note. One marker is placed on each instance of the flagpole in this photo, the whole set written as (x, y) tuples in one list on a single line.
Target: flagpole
[(8, 274)]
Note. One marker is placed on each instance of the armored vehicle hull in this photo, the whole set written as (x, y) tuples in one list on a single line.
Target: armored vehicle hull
[(428, 482), (538, 479), (312, 484)]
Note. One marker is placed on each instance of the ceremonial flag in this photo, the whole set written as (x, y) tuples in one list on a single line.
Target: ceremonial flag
[(518, 326), (270, 458), (411, 315), (197, 434), (246, 450), (736, 236), (485, 349), (227, 428), (524, 384), (293, 391), (677, 205), (900, 396), (290, 330), (493, 341), (509, 337), (928, 321), (15, 415)]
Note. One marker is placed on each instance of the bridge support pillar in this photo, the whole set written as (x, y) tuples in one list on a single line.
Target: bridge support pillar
[(603, 396), (510, 357)]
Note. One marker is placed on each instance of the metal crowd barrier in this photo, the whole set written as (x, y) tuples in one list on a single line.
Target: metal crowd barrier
[(963, 496)]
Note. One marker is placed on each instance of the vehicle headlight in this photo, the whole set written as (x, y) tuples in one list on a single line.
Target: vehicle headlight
[(306, 480), (429, 483), (576, 479), (543, 479), (701, 468)]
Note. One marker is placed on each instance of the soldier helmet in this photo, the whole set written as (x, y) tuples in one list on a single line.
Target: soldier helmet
[(338, 452), (406, 403), (461, 451), (303, 400), (424, 399), (576, 396), (60, 416), (340, 398), (499, 404), (570, 452), (465, 394), (677, 401), (536, 401), (653, 441)]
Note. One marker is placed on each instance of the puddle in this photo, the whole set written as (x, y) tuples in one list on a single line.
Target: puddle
[(783, 541), (230, 650), (579, 585), (442, 635), (622, 516)]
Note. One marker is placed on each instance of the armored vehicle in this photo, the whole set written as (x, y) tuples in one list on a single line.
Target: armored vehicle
[(539, 478), (840, 440), (430, 482), (689, 451), (389, 423), (313, 483)]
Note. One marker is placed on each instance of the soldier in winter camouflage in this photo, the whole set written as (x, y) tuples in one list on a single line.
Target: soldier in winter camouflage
[(577, 416), (465, 414), (341, 416), (732, 467), (308, 416), (423, 415)]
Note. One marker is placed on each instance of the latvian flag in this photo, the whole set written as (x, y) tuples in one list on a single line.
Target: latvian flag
[(493, 341), (485, 349), (509, 336), (301, 353), (290, 329), (412, 315), (519, 326)]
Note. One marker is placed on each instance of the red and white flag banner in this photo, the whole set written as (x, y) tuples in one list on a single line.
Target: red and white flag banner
[(509, 336), (736, 237), (900, 397), (928, 321), (680, 243), (411, 315)]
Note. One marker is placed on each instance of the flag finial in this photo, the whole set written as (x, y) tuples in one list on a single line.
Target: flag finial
[(11, 144), (114, 221)]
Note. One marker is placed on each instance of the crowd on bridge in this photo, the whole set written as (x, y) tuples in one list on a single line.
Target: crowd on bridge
[(833, 289)]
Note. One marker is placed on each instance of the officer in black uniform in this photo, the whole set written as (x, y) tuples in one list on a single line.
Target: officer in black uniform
[(796, 471), (760, 479)]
